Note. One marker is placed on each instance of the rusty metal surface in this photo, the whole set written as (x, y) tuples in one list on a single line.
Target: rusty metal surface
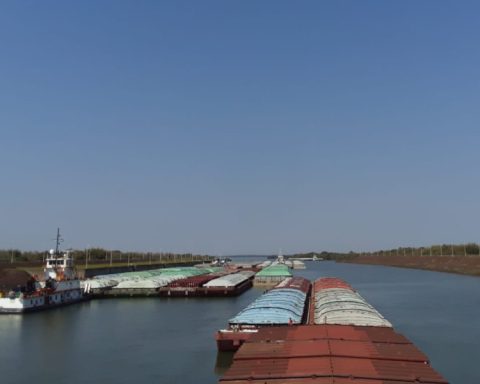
[(386, 370), (194, 281), (341, 332), (332, 353), (228, 340), (298, 283), (317, 380), (334, 348), (320, 354), (329, 283), (332, 367)]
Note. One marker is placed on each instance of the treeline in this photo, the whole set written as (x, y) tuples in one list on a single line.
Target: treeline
[(15, 255), (99, 255), (470, 249)]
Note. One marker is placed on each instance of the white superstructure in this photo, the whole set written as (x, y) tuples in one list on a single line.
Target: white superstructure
[(61, 287)]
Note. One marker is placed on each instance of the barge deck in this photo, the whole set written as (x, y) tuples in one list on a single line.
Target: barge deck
[(329, 354), (345, 341)]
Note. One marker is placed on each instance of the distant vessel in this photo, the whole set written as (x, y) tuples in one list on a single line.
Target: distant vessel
[(61, 286), (221, 261)]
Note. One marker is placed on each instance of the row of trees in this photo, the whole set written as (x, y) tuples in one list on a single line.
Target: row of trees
[(470, 249), (15, 255), (100, 255)]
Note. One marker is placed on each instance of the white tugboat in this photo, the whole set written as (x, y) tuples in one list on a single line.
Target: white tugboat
[(61, 286)]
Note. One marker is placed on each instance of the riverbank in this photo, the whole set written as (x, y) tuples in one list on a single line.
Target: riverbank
[(92, 269), (464, 265)]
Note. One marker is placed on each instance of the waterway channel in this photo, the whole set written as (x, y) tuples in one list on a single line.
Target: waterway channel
[(160, 340)]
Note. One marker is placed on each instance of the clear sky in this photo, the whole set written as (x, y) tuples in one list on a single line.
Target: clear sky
[(234, 127)]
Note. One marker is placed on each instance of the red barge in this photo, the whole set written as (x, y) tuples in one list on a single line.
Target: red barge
[(209, 285), (346, 341)]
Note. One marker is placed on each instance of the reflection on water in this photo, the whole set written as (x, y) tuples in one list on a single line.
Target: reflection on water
[(155, 340), (10, 324)]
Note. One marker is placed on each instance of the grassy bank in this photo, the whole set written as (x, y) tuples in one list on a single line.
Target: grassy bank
[(461, 264)]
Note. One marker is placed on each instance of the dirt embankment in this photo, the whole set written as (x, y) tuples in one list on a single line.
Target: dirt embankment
[(13, 278), (465, 265)]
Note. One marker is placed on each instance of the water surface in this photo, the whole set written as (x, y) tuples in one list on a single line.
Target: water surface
[(161, 340)]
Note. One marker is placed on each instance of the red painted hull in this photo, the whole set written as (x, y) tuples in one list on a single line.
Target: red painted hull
[(231, 341), (205, 291)]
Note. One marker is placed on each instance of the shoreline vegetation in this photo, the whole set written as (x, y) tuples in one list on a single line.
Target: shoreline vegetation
[(451, 258), (94, 258), (464, 265)]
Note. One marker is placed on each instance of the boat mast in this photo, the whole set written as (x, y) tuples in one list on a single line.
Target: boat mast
[(57, 246)]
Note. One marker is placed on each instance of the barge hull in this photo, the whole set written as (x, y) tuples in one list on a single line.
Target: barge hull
[(267, 359), (229, 341), (205, 291), (174, 291)]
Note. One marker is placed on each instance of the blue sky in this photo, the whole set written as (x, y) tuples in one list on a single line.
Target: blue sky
[(234, 127)]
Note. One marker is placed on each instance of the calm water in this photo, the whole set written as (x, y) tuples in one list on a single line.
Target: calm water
[(171, 340)]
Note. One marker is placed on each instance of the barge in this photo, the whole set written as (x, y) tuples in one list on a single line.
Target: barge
[(344, 342), (209, 285), (287, 303), (272, 275), (171, 282), (336, 302), (140, 283)]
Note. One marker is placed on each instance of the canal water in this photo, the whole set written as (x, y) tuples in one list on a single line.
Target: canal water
[(161, 340)]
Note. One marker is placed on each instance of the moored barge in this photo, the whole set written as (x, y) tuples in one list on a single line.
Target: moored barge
[(346, 342), (282, 305), (336, 302), (209, 285), (272, 275), (140, 283)]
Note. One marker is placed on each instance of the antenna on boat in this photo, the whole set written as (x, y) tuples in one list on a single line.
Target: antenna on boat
[(59, 240)]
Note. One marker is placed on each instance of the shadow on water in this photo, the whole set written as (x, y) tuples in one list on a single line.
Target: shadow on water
[(223, 362)]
